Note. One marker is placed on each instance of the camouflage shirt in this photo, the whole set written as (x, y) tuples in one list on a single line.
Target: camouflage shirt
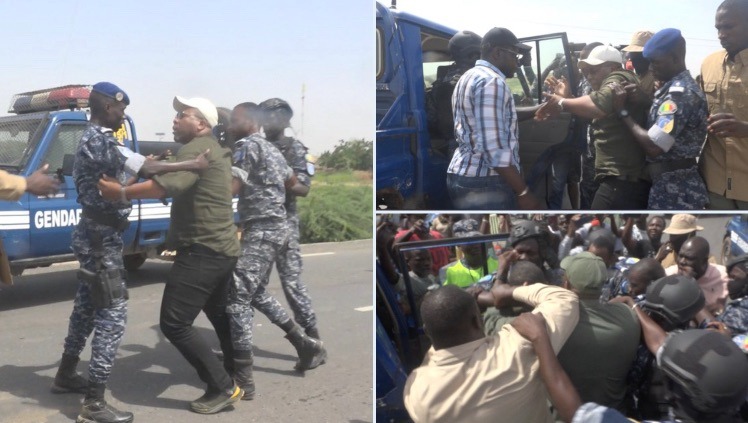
[(263, 186), (97, 155), (295, 154), (679, 108), (735, 316)]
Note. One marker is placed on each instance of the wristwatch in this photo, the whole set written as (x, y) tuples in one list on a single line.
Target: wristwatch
[(623, 113)]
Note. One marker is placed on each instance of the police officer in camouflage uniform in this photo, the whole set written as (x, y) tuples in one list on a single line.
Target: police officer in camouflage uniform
[(101, 301), (735, 316), (264, 176), (677, 125), (276, 118)]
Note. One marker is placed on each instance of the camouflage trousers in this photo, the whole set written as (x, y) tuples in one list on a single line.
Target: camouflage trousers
[(107, 324), (289, 271), (260, 247)]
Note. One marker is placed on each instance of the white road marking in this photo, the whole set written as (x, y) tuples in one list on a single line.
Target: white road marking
[(364, 309), (329, 253)]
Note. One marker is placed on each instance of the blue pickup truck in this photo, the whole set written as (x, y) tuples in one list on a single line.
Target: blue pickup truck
[(45, 127), (735, 241), (411, 160)]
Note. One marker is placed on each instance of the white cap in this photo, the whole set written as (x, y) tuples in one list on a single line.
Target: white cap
[(600, 55), (203, 105)]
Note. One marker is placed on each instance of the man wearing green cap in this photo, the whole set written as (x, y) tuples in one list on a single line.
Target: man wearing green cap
[(603, 345)]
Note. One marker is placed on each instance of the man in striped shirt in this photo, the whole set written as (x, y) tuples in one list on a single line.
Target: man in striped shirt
[(484, 172)]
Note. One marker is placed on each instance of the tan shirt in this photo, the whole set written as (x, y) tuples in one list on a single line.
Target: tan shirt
[(494, 378), (713, 284), (11, 186), (724, 163)]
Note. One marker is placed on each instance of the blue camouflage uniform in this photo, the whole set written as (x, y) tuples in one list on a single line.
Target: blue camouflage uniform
[(263, 172), (735, 316), (679, 108), (97, 246), (289, 258)]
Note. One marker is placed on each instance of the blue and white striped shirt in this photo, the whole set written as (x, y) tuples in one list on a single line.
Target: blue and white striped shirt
[(485, 121)]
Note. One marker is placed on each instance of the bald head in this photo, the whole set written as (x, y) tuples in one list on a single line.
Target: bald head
[(525, 271), (693, 257), (451, 317), (643, 273), (697, 245)]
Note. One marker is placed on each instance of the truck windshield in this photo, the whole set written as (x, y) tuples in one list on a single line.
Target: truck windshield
[(18, 137)]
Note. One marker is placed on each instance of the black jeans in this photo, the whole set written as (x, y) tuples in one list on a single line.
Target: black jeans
[(198, 280), (615, 194)]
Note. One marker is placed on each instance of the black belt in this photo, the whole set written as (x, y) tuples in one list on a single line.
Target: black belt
[(656, 169), (111, 220), (623, 178)]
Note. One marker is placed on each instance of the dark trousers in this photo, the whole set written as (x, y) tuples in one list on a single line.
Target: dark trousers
[(198, 280), (615, 194)]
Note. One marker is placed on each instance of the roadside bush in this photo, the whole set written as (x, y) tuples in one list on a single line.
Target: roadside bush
[(338, 208)]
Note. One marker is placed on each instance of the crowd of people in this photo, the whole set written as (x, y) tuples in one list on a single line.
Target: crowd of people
[(647, 135), (242, 152), (584, 318)]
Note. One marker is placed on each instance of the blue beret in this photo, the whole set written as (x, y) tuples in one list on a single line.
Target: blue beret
[(663, 42), (110, 90)]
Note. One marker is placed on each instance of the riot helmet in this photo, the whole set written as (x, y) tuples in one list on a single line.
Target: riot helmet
[(674, 299), (463, 45), (707, 371)]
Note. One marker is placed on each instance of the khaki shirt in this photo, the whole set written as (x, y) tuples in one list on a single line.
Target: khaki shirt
[(724, 163), (11, 186), (494, 378)]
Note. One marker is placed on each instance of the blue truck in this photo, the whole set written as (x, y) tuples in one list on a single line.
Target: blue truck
[(735, 241), (411, 160), (45, 127)]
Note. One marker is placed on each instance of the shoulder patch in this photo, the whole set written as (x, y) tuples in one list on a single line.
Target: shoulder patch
[(666, 122), (677, 89), (667, 108)]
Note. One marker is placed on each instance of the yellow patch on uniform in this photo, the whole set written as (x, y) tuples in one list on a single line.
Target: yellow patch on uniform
[(667, 108), (666, 122)]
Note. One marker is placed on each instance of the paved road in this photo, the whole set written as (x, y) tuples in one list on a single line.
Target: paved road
[(151, 378)]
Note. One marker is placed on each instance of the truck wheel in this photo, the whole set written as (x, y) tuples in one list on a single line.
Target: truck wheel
[(133, 261), (726, 250)]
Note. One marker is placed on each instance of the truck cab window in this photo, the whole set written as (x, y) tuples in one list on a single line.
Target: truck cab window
[(65, 142)]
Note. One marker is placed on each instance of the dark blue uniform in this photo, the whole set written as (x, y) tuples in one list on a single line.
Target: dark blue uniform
[(97, 246), (679, 109)]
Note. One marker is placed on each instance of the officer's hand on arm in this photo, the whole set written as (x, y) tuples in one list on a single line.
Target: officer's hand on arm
[(726, 125), (291, 181), (110, 188), (624, 299), (619, 96), (40, 183), (506, 260)]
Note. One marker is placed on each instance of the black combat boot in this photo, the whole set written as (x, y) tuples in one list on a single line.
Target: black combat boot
[(96, 410), (312, 332), (67, 379), (243, 362), (311, 351)]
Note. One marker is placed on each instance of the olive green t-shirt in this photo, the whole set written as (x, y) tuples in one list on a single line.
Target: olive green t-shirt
[(201, 212), (617, 152)]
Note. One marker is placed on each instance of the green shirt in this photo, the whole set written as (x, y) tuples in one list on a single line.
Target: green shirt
[(201, 212), (616, 149), (598, 354)]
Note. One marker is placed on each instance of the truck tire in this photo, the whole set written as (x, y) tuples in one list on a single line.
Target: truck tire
[(726, 250), (133, 261)]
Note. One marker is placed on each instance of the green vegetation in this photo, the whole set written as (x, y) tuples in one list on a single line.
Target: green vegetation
[(338, 208), (350, 155)]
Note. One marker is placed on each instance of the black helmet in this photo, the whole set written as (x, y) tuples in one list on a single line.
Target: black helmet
[(463, 44), (675, 298), (707, 368), (525, 229), (273, 104)]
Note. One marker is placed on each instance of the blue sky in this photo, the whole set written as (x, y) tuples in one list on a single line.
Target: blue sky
[(227, 51), (583, 20)]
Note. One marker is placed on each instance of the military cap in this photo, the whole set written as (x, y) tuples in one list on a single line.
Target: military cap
[(586, 272), (663, 42), (466, 228), (112, 91), (736, 261)]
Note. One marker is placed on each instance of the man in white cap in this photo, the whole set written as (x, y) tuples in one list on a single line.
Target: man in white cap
[(203, 234), (619, 160)]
